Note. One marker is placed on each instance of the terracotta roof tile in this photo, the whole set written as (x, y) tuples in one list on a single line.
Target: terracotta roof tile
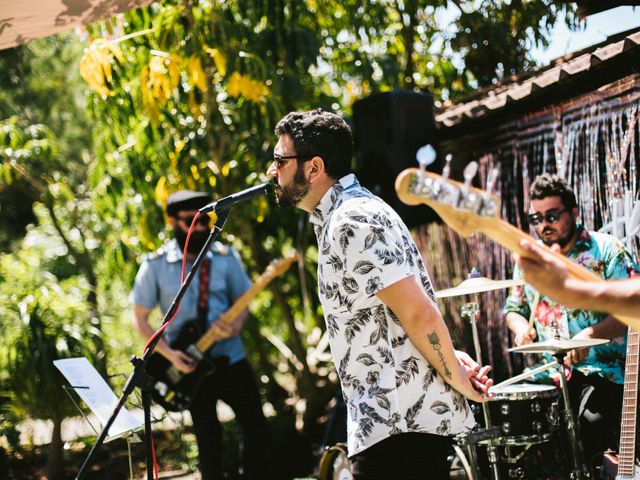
[(521, 86)]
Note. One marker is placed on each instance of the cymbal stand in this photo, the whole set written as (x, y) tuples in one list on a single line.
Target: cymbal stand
[(577, 469), (471, 310)]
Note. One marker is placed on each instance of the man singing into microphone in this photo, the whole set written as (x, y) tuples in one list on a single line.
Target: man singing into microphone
[(220, 280), (402, 381)]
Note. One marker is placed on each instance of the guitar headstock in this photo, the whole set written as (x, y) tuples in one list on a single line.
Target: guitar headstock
[(464, 208)]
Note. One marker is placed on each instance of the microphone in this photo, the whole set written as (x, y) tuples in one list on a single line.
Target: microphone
[(229, 201)]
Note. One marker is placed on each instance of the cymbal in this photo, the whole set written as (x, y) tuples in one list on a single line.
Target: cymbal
[(557, 346), (477, 285)]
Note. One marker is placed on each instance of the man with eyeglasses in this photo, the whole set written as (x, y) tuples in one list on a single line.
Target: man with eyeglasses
[(403, 383), (597, 373), (219, 282)]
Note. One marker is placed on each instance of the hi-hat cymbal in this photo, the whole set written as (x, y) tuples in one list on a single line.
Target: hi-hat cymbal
[(477, 285), (557, 346)]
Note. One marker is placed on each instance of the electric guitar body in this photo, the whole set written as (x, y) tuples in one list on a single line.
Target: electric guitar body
[(611, 465), (175, 390)]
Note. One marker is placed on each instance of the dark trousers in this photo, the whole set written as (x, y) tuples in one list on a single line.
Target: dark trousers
[(405, 456), (597, 405), (236, 386)]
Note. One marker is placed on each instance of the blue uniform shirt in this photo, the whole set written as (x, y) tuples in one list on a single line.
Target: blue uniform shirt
[(158, 282)]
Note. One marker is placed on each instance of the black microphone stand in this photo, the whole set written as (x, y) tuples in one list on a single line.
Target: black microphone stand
[(138, 377)]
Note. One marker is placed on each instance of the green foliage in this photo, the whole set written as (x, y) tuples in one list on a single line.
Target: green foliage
[(496, 38), (44, 319), (187, 96), (40, 90)]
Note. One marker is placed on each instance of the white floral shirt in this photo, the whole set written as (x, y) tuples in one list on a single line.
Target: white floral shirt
[(387, 384)]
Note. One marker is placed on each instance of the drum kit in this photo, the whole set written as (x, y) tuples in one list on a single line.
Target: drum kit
[(522, 420)]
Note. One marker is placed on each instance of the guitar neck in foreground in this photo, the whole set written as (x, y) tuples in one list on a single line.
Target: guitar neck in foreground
[(467, 210)]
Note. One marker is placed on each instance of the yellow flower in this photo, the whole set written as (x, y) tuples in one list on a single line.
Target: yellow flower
[(96, 65), (197, 76), (233, 85), (219, 60), (161, 194), (247, 87), (157, 81)]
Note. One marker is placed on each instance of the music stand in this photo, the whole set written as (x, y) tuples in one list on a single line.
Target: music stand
[(138, 377)]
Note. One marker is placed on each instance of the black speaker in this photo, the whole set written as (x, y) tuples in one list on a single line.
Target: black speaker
[(388, 130)]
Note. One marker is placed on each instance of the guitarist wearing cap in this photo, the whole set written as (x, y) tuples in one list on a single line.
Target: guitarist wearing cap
[(595, 386), (220, 280)]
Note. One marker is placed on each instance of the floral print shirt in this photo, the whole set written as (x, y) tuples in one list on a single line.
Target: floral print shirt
[(388, 386), (605, 256)]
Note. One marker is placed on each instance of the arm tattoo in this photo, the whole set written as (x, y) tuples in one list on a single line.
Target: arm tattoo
[(435, 342)]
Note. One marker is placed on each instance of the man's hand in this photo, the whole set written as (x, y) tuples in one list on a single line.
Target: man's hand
[(223, 330), (478, 376), (543, 270), (180, 360), (524, 335), (577, 354)]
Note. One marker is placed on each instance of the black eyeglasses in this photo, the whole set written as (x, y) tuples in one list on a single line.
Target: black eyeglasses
[(281, 160), (552, 216), (202, 220)]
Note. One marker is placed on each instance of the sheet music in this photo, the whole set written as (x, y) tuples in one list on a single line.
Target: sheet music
[(98, 396)]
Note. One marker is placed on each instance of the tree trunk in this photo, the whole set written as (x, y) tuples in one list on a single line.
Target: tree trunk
[(55, 452)]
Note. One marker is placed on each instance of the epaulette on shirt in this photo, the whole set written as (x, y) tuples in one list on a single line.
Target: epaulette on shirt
[(220, 249), (157, 254)]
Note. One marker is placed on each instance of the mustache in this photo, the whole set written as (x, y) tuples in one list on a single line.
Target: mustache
[(548, 230)]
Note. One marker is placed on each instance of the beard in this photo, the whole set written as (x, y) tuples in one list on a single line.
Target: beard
[(562, 241), (196, 241), (291, 195)]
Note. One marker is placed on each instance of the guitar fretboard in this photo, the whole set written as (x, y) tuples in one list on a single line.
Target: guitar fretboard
[(626, 467)]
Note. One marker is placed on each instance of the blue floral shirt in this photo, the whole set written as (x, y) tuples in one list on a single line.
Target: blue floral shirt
[(605, 256)]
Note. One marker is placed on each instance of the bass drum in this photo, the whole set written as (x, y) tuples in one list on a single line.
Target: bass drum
[(334, 464)]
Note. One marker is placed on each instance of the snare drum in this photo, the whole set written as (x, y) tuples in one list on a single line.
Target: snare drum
[(525, 413)]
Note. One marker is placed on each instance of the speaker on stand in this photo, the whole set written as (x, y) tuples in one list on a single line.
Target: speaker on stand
[(388, 130)]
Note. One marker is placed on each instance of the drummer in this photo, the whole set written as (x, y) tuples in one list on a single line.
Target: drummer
[(597, 373)]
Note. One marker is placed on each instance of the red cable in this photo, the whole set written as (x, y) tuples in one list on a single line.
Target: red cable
[(184, 264), (164, 326), (153, 455)]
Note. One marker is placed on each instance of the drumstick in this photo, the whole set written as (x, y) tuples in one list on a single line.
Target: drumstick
[(524, 375), (534, 306)]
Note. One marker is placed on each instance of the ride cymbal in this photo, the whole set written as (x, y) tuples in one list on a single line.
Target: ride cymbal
[(477, 285), (560, 345)]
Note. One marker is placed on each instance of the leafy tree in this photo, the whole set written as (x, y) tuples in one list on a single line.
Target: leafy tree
[(44, 320), (40, 85), (186, 94)]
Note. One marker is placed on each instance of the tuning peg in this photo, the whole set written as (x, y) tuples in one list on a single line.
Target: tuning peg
[(425, 155), (469, 172), (491, 180), (447, 168)]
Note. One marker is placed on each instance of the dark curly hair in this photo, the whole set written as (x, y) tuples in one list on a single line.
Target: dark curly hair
[(322, 134), (551, 185)]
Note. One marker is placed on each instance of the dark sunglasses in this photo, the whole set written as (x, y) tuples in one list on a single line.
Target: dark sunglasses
[(552, 216), (202, 220), (281, 160)]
